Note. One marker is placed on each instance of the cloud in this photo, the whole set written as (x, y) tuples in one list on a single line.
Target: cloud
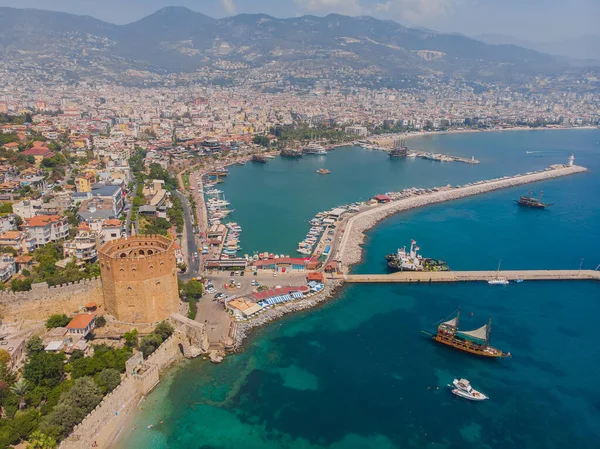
[(413, 11), (350, 7), (416, 11), (228, 6)]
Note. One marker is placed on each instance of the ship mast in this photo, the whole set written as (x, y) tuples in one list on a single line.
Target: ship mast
[(488, 331)]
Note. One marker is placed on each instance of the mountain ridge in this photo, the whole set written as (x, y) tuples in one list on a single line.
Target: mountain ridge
[(178, 39)]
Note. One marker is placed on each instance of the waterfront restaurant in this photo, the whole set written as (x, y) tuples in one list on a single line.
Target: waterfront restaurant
[(226, 264), (281, 264), (382, 199), (335, 214), (242, 308)]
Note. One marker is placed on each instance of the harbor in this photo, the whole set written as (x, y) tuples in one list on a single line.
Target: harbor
[(349, 251), (293, 357)]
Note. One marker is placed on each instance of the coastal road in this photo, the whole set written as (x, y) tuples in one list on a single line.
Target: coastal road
[(190, 241)]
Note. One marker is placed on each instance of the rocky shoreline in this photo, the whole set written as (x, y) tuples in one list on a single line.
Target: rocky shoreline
[(244, 328)]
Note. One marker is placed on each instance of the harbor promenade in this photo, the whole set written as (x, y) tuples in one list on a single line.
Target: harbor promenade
[(472, 276), (349, 252)]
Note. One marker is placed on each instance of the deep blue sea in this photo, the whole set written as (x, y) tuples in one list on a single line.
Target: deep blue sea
[(357, 372)]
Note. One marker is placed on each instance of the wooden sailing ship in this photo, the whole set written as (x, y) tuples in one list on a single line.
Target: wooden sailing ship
[(474, 342)]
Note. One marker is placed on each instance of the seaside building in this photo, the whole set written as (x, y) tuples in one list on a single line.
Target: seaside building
[(281, 264)]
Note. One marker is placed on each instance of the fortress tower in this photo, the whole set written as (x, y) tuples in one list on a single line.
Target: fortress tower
[(139, 278)]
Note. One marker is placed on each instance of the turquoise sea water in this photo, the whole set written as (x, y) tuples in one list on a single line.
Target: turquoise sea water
[(357, 372)]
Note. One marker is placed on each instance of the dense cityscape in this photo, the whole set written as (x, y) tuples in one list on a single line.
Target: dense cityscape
[(110, 234)]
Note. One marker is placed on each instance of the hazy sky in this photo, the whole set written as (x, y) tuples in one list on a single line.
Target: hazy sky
[(535, 20)]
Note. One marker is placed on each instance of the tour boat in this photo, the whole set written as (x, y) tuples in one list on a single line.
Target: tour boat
[(464, 389), (474, 342)]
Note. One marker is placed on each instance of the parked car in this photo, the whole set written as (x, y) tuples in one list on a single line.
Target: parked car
[(239, 285), (242, 273)]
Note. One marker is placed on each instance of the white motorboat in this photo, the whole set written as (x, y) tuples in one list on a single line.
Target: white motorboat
[(498, 281), (464, 389)]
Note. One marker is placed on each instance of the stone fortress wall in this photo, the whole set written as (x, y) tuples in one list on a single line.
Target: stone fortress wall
[(188, 340), (42, 301), (139, 276)]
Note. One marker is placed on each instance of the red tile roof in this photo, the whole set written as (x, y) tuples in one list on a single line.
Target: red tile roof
[(81, 321), (42, 220), (279, 291)]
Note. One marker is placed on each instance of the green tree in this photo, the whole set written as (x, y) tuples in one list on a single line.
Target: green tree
[(164, 330), (20, 389), (34, 345), (39, 440), (57, 320), (193, 289), (20, 285), (6, 208), (84, 394), (261, 140), (74, 405), (149, 344), (45, 368), (108, 379), (100, 321), (131, 338)]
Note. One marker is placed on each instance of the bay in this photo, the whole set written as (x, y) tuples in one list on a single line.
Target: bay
[(357, 372)]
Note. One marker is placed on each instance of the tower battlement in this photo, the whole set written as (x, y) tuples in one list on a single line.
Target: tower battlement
[(139, 278)]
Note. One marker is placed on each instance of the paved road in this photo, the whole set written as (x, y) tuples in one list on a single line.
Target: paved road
[(130, 196), (191, 244)]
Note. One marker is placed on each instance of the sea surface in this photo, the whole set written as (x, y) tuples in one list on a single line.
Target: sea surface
[(357, 372)]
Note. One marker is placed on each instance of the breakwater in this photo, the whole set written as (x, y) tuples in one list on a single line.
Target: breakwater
[(349, 251), (473, 276)]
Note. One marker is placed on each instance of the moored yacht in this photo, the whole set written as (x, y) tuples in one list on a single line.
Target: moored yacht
[(464, 389), (314, 148)]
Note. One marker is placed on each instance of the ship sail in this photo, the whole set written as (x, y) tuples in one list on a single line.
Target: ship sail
[(477, 334), (453, 322)]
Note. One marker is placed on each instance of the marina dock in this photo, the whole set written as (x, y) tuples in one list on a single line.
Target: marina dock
[(472, 276)]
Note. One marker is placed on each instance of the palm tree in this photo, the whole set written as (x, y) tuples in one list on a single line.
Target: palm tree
[(38, 440), (20, 389)]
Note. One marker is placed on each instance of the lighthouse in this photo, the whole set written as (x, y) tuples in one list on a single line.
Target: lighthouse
[(571, 160)]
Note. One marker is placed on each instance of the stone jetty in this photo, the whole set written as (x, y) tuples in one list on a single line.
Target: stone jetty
[(349, 251), (408, 277)]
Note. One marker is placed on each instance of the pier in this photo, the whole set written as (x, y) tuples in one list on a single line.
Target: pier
[(347, 250), (472, 276)]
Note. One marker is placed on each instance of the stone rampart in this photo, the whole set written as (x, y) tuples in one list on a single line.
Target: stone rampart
[(103, 423), (42, 301)]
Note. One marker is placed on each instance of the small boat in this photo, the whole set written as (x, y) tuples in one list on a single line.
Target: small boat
[(323, 171), (464, 389), (498, 280), (518, 281)]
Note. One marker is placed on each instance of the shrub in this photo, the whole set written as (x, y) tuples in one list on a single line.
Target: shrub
[(57, 320)]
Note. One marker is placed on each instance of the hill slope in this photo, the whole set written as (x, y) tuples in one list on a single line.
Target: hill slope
[(177, 39)]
